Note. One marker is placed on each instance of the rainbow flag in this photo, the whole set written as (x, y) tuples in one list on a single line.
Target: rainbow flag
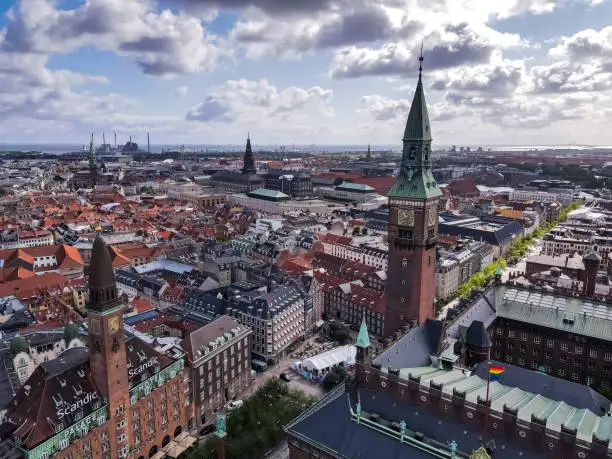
[(495, 372)]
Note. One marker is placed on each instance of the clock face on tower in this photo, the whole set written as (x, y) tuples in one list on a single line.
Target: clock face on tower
[(113, 324), (405, 217), (431, 216)]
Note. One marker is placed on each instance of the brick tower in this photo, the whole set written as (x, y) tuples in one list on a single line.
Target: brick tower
[(413, 224), (107, 357)]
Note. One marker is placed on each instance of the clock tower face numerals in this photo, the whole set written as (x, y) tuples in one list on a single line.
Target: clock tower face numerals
[(405, 217), (431, 216)]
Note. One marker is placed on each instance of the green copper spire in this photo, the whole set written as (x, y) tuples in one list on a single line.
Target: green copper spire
[(415, 179), (363, 339), (417, 126), (92, 152)]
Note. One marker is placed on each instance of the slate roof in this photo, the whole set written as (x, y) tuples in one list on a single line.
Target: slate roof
[(492, 230), (414, 348), (330, 424), (235, 177), (477, 335), (41, 408), (54, 385), (210, 332)]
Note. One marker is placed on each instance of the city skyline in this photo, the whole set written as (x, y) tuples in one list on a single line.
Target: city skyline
[(328, 72)]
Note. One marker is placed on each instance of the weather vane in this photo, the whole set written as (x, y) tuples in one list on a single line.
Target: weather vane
[(421, 60)]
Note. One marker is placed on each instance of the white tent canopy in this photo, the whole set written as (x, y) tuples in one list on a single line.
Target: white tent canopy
[(343, 354)]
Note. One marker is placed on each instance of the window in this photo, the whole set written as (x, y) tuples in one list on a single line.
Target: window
[(511, 334), (509, 358), (590, 380), (548, 355), (564, 346), (578, 350), (563, 358), (534, 364), (561, 372), (604, 383), (550, 343), (536, 352), (608, 356), (537, 339), (523, 336), (523, 348), (499, 331), (575, 376), (591, 366), (593, 353), (548, 369), (522, 362)]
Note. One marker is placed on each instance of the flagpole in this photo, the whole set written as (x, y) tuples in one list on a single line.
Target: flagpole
[(487, 405)]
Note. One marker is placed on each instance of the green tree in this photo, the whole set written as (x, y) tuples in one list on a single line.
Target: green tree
[(334, 377), (257, 426), (339, 333)]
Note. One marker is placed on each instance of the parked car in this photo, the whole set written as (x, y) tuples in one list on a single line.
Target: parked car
[(286, 377), (207, 429), (234, 404)]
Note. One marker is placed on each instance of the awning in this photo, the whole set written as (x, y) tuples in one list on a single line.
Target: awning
[(188, 441), (169, 446), (180, 436), (159, 455), (176, 450)]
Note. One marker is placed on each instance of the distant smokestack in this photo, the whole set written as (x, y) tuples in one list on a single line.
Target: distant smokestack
[(104, 142), (115, 140), (148, 144)]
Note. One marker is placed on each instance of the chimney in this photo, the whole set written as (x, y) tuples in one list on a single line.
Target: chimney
[(591, 267), (148, 144)]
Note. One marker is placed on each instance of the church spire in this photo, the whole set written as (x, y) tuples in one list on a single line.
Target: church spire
[(92, 152), (249, 163), (417, 125)]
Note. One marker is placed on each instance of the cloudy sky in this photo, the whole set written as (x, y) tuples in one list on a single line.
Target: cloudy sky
[(305, 71)]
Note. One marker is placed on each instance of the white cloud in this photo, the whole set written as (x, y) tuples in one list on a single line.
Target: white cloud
[(162, 44), (259, 102), (181, 91)]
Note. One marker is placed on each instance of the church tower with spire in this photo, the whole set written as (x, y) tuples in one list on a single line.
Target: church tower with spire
[(93, 168), (413, 224), (107, 356), (249, 163)]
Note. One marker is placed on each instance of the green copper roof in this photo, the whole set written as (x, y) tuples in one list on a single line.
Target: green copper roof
[(498, 270), (363, 339), (417, 183), (417, 126)]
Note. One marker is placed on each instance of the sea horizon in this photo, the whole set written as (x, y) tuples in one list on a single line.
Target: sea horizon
[(60, 148)]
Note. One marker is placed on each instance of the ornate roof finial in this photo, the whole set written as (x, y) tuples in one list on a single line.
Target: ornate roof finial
[(421, 61)]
